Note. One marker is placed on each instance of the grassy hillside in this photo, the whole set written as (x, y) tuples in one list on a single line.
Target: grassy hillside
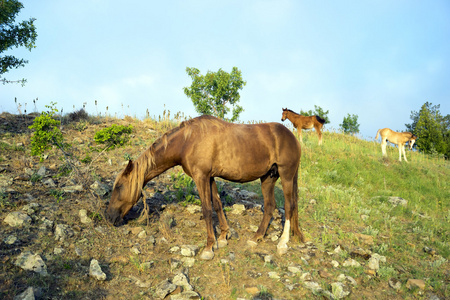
[(345, 193)]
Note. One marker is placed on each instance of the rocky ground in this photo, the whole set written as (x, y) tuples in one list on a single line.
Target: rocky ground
[(56, 244)]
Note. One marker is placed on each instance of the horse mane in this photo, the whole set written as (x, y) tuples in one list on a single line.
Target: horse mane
[(290, 110)]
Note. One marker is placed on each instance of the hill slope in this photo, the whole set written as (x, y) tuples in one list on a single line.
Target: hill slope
[(376, 228)]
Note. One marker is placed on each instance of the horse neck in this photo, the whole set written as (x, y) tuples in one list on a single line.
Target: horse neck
[(160, 157)]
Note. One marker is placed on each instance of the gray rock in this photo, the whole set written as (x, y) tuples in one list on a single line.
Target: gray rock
[(164, 288), (5, 181), (187, 295), (73, 188), (194, 209), (96, 271), (313, 286), (248, 195), (62, 232), (351, 263), (32, 262), (17, 219), (182, 280), (100, 189), (28, 294), (338, 290), (11, 239), (238, 209), (46, 224), (42, 171), (83, 217), (189, 250), (397, 201), (48, 182)]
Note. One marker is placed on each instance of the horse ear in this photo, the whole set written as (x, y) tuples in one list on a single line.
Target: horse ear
[(129, 168)]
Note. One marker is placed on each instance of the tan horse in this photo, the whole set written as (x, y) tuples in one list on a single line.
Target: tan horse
[(301, 122), (398, 138), (207, 147)]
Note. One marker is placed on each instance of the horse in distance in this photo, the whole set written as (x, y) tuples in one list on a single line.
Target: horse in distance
[(398, 138), (302, 122), (207, 147)]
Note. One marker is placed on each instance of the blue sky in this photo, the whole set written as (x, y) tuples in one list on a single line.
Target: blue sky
[(379, 59)]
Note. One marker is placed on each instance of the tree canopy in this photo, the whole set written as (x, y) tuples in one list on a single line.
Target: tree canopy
[(13, 35), (432, 130), (350, 124), (318, 111), (213, 93)]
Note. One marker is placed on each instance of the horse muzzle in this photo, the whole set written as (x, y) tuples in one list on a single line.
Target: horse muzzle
[(113, 216)]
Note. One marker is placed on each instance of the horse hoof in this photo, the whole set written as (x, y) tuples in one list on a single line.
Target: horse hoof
[(282, 249), (222, 243), (207, 255), (252, 243)]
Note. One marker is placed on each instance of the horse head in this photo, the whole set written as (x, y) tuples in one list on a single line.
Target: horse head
[(124, 196), (284, 115), (412, 140)]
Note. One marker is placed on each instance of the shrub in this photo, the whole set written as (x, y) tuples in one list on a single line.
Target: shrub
[(115, 135), (47, 133)]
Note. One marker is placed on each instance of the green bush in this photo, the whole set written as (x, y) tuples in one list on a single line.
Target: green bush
[(47, 133), (115, 135)]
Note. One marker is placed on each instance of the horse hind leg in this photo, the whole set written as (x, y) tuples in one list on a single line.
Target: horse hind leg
[(222, 240), (383, 146), (268, 191), (402, 147), (291, 213), (319, 133)]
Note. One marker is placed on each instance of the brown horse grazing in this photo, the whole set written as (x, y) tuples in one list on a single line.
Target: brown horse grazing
[(207, 147), (398, 138), (301, 122)]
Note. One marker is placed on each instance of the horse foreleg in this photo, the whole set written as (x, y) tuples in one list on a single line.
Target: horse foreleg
[(299, 130), (204, 189), (268, 191), (404, 153), (222, 240)]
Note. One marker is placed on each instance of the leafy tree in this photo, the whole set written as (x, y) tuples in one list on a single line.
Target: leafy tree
[(212, 93), (432, 129), (14, 35), (318, 111), (350, 124)]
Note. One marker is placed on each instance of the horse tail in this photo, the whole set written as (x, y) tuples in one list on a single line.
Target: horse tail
[(378, 134), (320, 120)]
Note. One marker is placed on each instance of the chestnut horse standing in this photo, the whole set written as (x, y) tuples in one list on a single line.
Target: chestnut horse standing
[(301, 122), (398, 138), (207, 147)]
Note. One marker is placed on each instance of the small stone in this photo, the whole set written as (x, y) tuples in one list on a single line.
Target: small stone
[(41, 172), (83, 217), (49, 183), (135, 250), (274, 275), (335, 263), (17, 219), (364, 238), (96, 271), (395, 284), (294, 269), (306, 277), (182, 280), (32, 262), (411, 283), (164, 288), (313, 286), (397, 201), (337, 289), (324, 274), (63, 231), (73, 188), (238, 209), (189, 250), (193, 209), (28, 294), (188, 262), (58, 250), (351, 263), (11, 239)]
